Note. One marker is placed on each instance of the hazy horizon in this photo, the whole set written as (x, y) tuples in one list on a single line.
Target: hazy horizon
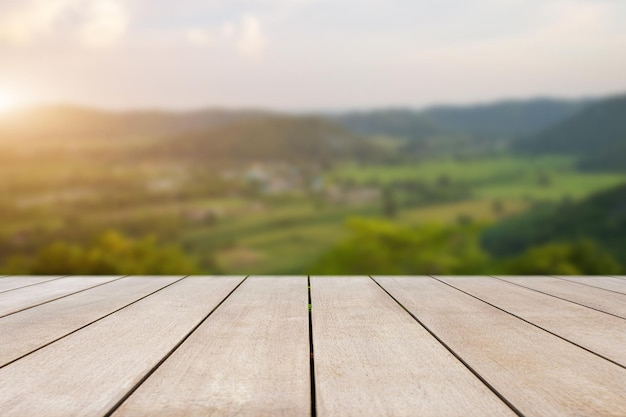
[(307, 55), (327, 111)]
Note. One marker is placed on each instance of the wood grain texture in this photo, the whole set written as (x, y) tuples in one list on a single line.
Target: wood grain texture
[(373, 359), (88, 372), (596, 331), (606, 283), (537, 372), (250, 358), (30, 329), (25, 297), (12, 283), (596, 298)]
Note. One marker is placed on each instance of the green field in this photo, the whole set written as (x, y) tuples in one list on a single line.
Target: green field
[(473, 171), (272, 234), (508, 177), (285, 239)]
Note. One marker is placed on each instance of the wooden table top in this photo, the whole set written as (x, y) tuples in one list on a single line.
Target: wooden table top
[(312, 346)]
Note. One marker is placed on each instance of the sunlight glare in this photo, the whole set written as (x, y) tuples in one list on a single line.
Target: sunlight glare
[(6, 103)]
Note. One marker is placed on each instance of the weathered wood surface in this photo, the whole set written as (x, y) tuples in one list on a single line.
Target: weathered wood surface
[(11, 283), (540, 374), (88, 372), (608, 283), (371, 358), (596, 298), (251, 358), (33, 295), (599, 332), (410, 346), (33, 328)]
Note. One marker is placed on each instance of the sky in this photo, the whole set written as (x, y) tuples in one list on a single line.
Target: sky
[(303, 55)]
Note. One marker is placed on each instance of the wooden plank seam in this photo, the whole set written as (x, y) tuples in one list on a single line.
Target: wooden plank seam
[(311, 351), (449, 349), (30, 285), (154, 368), (62, 296), (531, 323), (586, 285), (560, 298), (92, 322)]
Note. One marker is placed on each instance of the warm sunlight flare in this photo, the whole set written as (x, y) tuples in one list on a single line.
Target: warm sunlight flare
[(6, 103)]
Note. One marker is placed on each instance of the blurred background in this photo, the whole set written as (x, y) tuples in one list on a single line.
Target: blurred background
[(312, 137)]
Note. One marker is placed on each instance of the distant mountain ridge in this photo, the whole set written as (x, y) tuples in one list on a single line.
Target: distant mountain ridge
[(597, 134), (511, 119), (298, 140), (508, 119), (403, 123)]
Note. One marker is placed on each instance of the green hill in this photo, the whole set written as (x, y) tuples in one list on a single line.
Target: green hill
[(401, 123), (500, 120), (300, 140), (597, 135), (601, 218), (505, 119)]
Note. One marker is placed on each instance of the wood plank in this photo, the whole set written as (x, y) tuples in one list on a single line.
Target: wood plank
[(88, 372), (30, 329), (540, 374), (251, 358), (11, 283), (602, 300), (606, 283), (596, 331), (26, 297), (374, 359)]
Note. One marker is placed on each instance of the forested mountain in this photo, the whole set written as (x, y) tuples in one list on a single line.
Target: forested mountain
[(598, 134), (402, 123), (270, 139), (501, 120), (69, 122), (601, 218), (506, 119)]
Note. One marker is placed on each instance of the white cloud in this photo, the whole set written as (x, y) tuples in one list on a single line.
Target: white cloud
[(569, 26), (198, 37), (246, 36), (23, 21), (93, 23), (252, 40), (105, 22)]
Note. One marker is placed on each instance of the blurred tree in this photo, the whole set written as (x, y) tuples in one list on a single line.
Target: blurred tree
[(110, 254), (543, 179), (497, 206), (567, 201), (464, 219), (390, 205), (379, 247), (578, 258), (444, 180)]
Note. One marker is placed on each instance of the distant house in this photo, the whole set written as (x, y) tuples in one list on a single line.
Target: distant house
[(352, 195), (275, 179), (201, 215)]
